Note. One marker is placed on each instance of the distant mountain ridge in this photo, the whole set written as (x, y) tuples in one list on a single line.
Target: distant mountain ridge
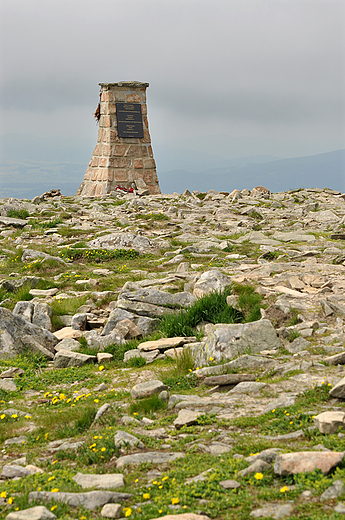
[(315, 171), (30, 166)]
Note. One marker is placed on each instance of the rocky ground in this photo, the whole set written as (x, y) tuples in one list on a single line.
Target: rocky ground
[(173, 356)]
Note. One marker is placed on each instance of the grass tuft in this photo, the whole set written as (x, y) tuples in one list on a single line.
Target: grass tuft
[(211, 308), (147, 406)]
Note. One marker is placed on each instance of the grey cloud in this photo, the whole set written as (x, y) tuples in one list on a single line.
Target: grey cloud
[(259, 62)]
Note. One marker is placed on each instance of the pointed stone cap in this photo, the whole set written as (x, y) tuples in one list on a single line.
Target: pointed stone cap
[(127, 84)]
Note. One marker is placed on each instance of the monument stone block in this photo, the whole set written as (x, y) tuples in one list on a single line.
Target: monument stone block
[(123, 153)]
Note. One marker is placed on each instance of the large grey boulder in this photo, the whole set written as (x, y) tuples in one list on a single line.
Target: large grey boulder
[(68, 358), (36, 313), (18, 335), (228, 341), (42, 316), (211, 281), (99, 343), (25, 310), (115, 317)]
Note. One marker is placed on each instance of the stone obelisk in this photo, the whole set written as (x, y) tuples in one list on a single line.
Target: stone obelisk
[(123, 153)]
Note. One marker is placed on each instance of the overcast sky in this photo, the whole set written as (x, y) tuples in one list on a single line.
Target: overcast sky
[(238, 77)]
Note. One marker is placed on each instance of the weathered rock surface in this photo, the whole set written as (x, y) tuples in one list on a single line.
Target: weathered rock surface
[(18, 335)]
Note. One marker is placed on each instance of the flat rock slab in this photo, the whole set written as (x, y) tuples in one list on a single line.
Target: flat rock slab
[(228, 379), (183, 516), (90, 500), (301, 462), (15, 222), (247, 387), (163, 343), (338, 390), (329, 422), (230, 484), (337, 359), (44, 292), (275, 511), (147, 389), (106, 481), (153, 457), (185, 418), (68, 332), (33, 513)]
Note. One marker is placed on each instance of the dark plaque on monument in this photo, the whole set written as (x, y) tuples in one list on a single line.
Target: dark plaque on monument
[(129, 120)]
